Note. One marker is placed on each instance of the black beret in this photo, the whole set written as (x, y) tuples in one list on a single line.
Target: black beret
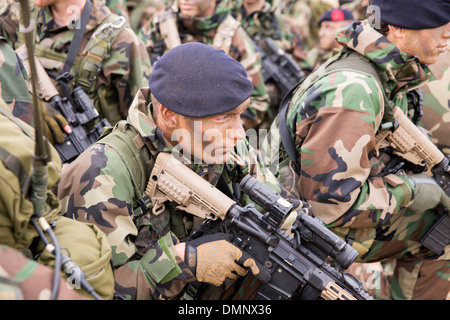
[(337, 14), (197, 80), (412, 14)]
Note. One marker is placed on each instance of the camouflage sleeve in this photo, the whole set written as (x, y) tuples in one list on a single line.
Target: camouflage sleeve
[(96, 188), (335, 123), (128, 67)]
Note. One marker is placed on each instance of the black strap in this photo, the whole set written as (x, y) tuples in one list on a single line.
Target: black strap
[(66, 76), (286, 139)]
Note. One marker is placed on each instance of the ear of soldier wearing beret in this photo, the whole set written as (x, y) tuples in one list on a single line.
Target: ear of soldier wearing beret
[(197, 80), (413, 14), (337, 14)]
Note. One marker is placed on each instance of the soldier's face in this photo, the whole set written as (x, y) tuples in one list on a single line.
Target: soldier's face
[(327, 33), (196, 8), (427, 44), (210, 139)]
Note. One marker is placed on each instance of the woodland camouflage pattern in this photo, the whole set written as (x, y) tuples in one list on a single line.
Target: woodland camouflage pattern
[(125, 70), (333, 125), (303, 15), (204, 30), (97, 187)]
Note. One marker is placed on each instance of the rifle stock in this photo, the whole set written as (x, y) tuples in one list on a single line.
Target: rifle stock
[(291, 263)]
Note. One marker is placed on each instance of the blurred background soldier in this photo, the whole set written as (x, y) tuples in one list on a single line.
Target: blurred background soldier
[(209, 22), (331, 21), (270, 33), (303, 15), (81, 44)]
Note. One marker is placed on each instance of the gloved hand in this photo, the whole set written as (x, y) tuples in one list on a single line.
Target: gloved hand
[(54, 123), (213, 258), (428, 193)]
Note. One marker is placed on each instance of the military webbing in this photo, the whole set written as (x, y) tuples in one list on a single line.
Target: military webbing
[(65, 74), (121, 139), (225, 32), (342, 61)]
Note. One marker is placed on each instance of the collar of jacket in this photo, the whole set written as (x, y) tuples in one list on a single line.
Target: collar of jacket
[(404, 72)]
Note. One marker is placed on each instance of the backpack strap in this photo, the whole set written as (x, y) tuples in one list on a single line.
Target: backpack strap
[(129, 144)]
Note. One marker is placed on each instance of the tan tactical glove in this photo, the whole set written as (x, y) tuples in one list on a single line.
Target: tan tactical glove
[(54, 123), (428, 193), (213, 258)]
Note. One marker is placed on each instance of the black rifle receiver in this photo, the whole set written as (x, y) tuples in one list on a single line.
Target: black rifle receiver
[(77, 116)]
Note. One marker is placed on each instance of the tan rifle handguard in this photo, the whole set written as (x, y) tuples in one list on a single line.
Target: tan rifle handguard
[(171, 180)]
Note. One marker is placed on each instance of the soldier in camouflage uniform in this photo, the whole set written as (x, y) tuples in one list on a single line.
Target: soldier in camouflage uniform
[(110, 67), (329, 23), (333, 119), (210, 23), (22, 254), (99, 186), (436, 103), (303, 15)]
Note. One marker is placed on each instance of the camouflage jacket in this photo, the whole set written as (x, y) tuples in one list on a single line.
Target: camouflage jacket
[(98, 187), (333, 125), (205, 30), (124, 69)]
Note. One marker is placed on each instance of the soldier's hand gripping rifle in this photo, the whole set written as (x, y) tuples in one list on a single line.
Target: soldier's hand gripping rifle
[(290, 264), (412, 145), (77, 115)]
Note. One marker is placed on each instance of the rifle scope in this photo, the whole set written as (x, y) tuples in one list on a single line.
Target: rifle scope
[(311, 230)]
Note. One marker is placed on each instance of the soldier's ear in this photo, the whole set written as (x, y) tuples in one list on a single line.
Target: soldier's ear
[(168, 117)]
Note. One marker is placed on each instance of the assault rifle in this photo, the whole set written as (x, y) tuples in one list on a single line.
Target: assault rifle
[(293, 266), (278, 66), (78, 115), (409, 143)]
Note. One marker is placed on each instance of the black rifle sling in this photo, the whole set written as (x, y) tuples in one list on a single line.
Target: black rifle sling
[(73, 50), (286, 138)]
